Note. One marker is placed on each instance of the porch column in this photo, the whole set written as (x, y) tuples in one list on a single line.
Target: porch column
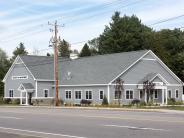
[(163, 96), (145, 96), (108, 94), (166, 96), (20, 97), (26, 99)]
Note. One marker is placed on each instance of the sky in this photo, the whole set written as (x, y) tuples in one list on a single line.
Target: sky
[(80, 20)]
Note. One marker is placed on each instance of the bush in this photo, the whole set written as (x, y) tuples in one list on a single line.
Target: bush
[(142, 103), (85, 102), (135, 101), (16, 101), (171, 101), (7, 101), (105, 101), (1, 100)]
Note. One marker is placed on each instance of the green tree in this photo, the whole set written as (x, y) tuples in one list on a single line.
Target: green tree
[(20, 50), (85, 51), (4, 66), (123, 34), (64, 48)]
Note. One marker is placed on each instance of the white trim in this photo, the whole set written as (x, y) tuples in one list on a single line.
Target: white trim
[(78, 85), (12, 97), (175, 93), (108, 94), (152, 59), (13, 65), (36, 89), (75, 94), (99, 94), (88, 93), (44, 93), (44, 80), (160, 76), (129, 93), (71, 95), (23, 77), (42, 97), (129, 67), (163, 65)]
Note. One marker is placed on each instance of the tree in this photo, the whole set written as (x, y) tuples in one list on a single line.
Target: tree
[(119, 89), (20, 50), (147, 87), (64, 48), (123, 34), (4, 66), (85, 51)]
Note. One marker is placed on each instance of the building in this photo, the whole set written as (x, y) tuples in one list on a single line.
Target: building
[(92, 78)]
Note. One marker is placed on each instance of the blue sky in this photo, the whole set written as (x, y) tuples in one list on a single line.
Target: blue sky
[(27, 21)]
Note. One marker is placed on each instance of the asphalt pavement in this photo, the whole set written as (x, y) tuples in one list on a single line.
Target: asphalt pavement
[(79, 123)]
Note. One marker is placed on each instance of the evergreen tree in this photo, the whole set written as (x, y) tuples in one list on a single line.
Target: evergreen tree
[(85, 51), (64, 48), (4, 66), (20, 50)]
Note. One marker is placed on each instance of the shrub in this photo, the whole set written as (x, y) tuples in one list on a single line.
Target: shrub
[(171, 101), (105, 101), (16, 101), (1, 100), (7, 101), (142, 103), (85, 102), (135, 101)]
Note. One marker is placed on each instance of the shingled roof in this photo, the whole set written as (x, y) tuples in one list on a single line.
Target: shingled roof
[(99, 69)]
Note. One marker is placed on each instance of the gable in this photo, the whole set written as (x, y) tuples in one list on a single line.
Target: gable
[(143, 67), (18, 69)]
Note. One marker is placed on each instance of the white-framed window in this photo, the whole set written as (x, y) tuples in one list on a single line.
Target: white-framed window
[(169, 94), (68, 94), (89, 95), (20, 77), (155, 94), (101, 94), (78, 95), (117, 95), (11, 93), (176, 93), (140, 94), (129, 95), (46, 93)]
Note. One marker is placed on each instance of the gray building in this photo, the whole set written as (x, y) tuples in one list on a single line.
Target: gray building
[(92, 78)]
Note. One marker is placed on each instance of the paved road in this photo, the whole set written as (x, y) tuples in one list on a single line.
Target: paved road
[(77, 123)]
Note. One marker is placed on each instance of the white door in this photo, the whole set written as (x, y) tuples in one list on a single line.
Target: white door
[(23, 98)]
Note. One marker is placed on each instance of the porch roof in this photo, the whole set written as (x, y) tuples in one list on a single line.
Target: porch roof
[(28, 86)]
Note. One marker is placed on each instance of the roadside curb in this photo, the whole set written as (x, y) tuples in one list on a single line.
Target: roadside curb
[(99, 108)]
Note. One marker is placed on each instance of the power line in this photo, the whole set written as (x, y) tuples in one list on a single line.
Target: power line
[(166, 20)]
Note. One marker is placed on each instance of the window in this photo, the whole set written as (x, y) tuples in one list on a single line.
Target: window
[(10, 93), (129, 94), (176, 94), (68, 94), (46, 93), (155, 94), (101, 95), (88, 95), (78, 95), (117, 94), (19, 77), (169, 93), (140, 94)]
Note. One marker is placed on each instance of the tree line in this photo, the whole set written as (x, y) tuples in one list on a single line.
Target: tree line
[(122, 34)]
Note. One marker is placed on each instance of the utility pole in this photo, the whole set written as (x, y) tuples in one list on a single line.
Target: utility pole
[(54, 41)]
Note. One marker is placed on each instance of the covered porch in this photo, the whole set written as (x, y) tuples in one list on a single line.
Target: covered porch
[(26, 91)]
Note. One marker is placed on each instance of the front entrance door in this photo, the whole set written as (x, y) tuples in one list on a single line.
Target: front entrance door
[(29, 98)]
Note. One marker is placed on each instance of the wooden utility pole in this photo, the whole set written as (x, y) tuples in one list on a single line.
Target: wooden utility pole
[(54, 41)]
